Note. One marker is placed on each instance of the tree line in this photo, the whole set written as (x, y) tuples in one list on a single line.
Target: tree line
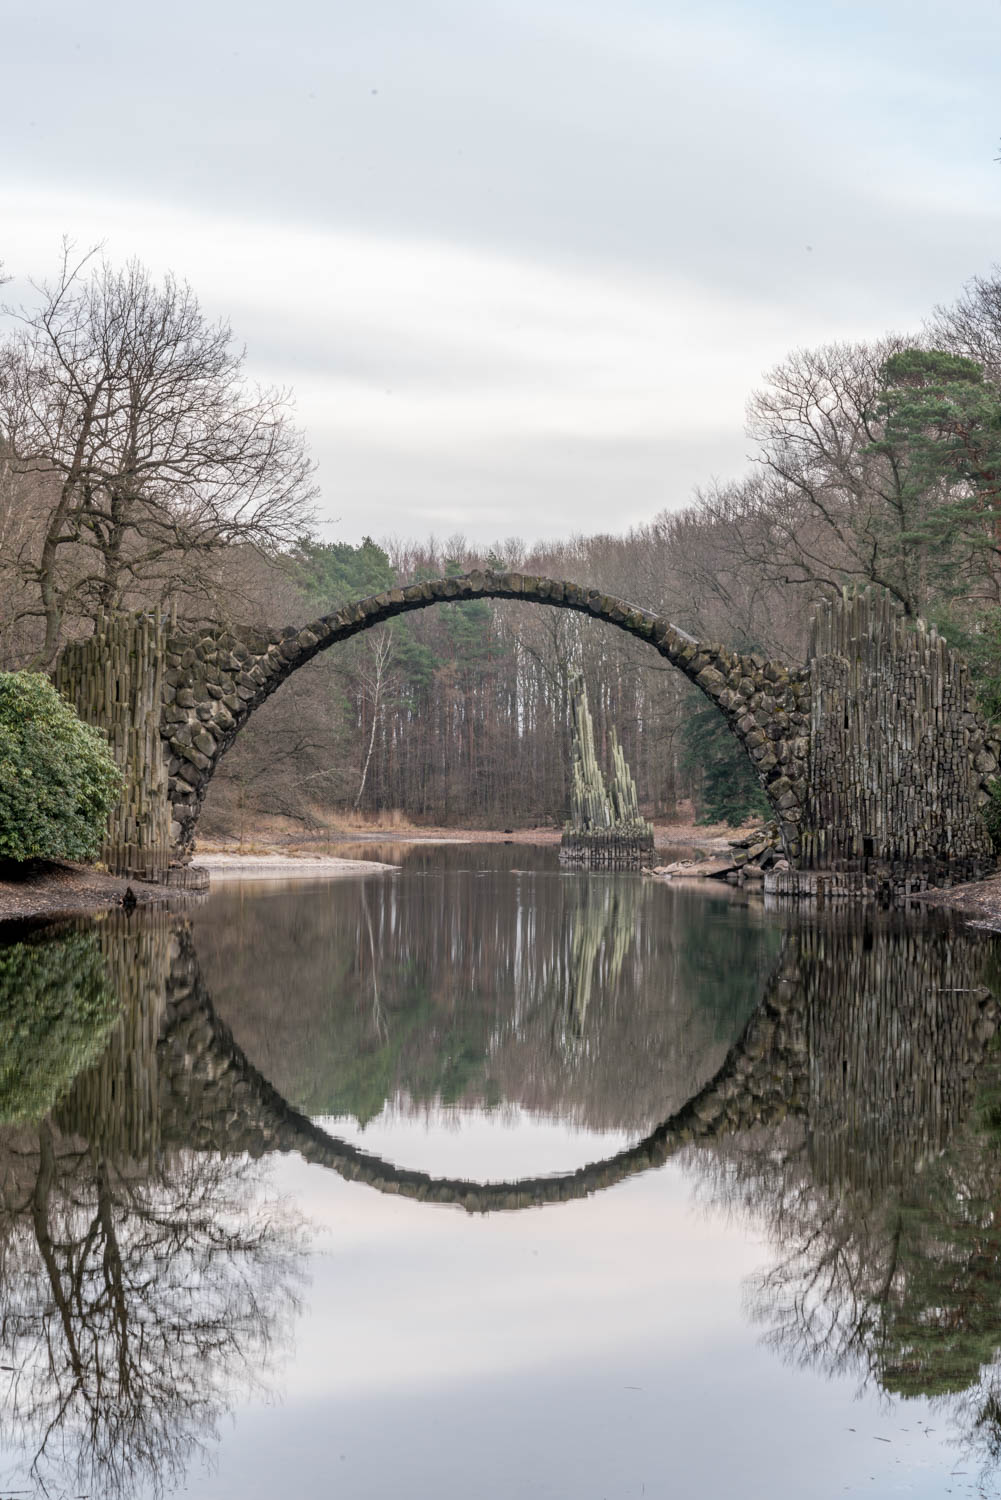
[(139, 466)]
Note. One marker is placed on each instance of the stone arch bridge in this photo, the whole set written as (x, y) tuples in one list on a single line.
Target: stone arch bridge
[(872, 755)]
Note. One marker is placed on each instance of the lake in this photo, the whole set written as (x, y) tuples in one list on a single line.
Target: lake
[(485, 1179)]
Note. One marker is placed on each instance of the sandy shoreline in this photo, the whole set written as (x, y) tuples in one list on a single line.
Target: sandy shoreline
[(710, 839), (46, 890), (284, 866)]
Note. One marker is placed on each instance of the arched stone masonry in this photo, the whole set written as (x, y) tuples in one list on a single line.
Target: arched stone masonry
[(873, 756), (215, 680)]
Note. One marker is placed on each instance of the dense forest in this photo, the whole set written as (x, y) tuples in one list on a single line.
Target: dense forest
[(139, 467)]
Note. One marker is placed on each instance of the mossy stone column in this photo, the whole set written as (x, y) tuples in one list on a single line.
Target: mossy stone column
[(114, 680)]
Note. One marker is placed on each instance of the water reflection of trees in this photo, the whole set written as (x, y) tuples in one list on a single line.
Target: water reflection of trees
[(904, 1290), (145, 1281), (883, 1202), (141, 1291), (57, 1006), (604, 1001)]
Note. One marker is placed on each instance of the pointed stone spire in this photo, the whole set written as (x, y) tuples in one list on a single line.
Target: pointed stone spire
[(605, 825)]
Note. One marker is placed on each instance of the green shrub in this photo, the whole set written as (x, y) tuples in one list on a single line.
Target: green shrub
[(56, 1008), (58, 781)]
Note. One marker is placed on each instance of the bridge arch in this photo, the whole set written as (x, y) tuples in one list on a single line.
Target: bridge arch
[(803, 1053), (175, 1078), (212, 1098), (215, 680)]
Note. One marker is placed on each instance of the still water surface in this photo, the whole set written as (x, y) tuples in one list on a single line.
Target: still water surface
[(480, 1179)]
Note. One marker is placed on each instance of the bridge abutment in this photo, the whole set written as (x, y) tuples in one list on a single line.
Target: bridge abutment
[(900, 761), (115, 680)]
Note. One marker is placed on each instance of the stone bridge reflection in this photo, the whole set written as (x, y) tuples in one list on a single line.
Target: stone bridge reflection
[(866, 1039), (858, 1114)]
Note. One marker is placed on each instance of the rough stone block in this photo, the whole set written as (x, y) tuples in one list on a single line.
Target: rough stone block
[(711, 681)]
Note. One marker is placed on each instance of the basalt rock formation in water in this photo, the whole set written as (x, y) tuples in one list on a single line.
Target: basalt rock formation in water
[(606, 828)]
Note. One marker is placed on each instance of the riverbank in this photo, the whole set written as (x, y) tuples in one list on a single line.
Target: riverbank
[(59, 888), (54, 888), (679, 833), (49, 888), (980, 901)]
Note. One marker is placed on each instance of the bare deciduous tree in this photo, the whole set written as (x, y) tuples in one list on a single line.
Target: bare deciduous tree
[(972, 325), (131, 413), (840, 502), (133, 1306)]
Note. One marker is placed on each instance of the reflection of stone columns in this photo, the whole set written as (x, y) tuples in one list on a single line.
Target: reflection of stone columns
[(897, 1020), (115, 1104)]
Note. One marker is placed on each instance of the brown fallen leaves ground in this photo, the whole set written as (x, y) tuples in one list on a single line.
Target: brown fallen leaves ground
[(980, 901), (46, 888)]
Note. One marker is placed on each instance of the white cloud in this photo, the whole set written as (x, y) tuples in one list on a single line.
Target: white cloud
[(433, 376), (524, 262)]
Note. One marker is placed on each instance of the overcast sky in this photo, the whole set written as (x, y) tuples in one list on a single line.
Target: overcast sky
[(521, 262)]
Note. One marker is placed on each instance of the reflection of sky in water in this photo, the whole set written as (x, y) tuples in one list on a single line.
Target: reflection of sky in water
[(598, 1348), (445, 1356), (480, 1145), (594, 1348)]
